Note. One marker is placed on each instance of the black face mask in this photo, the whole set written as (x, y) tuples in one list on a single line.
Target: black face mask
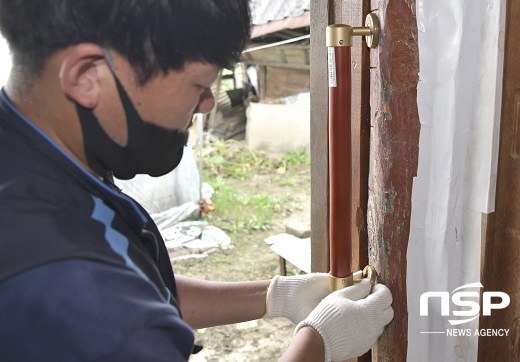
[(150, 149)]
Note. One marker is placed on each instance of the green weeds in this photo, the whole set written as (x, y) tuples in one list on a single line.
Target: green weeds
[(296, 158), (233, 159), (238, 210)]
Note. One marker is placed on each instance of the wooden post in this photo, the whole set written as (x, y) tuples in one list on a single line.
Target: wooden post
[(500, 269), (393, 160), (319, 143), (262, 81)]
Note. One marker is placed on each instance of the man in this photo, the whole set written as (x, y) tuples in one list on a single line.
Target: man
[(109, 87)]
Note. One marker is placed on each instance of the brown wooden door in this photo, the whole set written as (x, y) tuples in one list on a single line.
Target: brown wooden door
[(385, 128)]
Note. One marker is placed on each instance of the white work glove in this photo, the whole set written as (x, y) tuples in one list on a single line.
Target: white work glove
[(295, 297), (348, 324)]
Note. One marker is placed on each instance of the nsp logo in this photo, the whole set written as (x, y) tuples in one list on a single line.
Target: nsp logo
[(460, 298)]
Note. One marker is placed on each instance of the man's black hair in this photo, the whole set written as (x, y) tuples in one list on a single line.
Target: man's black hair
[(154, 35)]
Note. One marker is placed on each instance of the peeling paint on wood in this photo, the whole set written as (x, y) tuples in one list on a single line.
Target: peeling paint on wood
[(393, 160), (394, 136)]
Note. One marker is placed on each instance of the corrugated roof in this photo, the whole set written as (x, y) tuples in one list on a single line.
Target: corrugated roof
[(265, 11)]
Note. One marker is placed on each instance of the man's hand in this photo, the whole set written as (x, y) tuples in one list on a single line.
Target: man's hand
[(295, 297), (350, 320)]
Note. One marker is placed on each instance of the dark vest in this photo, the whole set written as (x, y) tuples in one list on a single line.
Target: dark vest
[(52, 209)]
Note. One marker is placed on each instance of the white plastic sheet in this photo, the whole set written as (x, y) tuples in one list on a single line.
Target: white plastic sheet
[(5, 61), (158, 194), (459, 101)]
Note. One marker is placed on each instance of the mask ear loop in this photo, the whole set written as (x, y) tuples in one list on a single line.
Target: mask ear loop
[(123, 95), (108, 58), (120, 88)]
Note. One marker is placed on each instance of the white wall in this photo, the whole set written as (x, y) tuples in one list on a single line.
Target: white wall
[(278, 128)]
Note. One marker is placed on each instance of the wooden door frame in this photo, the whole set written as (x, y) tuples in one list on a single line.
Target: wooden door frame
[(500, 270), (351, 13), (385, 125), (319, 134)]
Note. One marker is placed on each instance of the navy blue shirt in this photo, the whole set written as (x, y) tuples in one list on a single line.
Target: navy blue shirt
[(84, 273), (79, 310)]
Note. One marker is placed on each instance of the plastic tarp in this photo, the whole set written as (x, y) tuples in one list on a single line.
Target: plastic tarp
[(5, 61), (173, 197), (461, 50)]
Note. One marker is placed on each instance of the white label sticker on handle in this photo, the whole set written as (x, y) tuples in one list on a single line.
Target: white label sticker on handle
[(332, 67)]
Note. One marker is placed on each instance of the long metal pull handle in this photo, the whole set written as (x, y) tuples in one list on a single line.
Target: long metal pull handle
[(340, 160), (339, 42)]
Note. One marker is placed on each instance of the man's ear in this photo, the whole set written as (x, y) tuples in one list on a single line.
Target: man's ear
[(79, 74)]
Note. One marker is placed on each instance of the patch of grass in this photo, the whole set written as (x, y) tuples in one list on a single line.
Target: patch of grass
[(233, 159), (293, 178), (237, 212), (296, 158), (242, 211)]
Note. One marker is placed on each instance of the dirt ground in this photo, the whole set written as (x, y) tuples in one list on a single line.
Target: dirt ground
[(250, 258)]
